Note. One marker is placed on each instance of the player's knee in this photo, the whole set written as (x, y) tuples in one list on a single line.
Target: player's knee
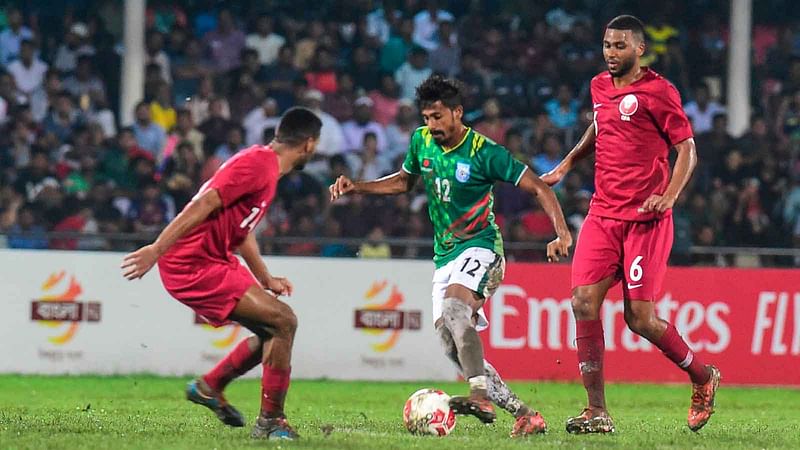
[(290, 321), (583, 305), (639, 324), (457, 315)]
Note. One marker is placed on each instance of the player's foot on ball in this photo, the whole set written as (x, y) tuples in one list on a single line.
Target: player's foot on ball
[(703, 400), (273, 428), (480, 407), (591, 420), (215, 402), (528, 424)]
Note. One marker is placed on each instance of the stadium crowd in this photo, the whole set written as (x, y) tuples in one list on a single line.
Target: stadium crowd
[(218, 76)]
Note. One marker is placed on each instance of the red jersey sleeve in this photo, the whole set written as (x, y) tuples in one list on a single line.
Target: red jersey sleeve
[(239, 177), (669, 116)]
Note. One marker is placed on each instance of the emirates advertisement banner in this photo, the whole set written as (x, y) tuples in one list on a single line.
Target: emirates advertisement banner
[(745, 321)]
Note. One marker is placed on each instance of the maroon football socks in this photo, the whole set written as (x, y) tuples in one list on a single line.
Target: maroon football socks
[(591, 346), (236, 363), (274, 385), (675, 348)]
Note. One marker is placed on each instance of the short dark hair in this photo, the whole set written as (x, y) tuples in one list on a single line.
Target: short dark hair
[(297, 125), (435, 89), (628, 22)]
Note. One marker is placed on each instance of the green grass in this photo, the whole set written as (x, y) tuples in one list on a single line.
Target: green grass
[(143, 412)]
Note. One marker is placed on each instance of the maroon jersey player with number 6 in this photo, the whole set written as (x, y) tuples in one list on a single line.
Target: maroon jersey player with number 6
[(628, 232), (197, 266)]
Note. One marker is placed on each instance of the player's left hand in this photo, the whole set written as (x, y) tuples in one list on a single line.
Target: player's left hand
[(138, 263), (657, 203), (279, 285), (559, 247)]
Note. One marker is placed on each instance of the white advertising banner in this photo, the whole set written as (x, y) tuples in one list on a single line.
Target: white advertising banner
[(73, 312)]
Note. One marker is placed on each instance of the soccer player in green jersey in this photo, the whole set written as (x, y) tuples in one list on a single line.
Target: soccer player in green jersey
[(459, 168)]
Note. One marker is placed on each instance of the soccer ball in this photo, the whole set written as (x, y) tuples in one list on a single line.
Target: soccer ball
[(427, 412)]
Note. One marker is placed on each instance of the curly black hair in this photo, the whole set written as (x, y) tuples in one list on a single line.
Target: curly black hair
[(437, 88)]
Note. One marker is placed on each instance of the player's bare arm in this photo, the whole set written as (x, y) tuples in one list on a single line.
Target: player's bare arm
[(396, 183), (560, 245), (138, 263), (582, 149), (684, 166), (251, 255)]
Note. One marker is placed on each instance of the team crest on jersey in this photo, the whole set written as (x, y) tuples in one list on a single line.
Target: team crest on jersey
[(462, 172), (628, 106)]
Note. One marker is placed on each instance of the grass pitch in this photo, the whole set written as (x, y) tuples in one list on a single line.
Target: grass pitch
[(143, 412)]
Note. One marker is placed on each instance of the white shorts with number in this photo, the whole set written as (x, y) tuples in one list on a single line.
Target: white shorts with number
[(479, 269)]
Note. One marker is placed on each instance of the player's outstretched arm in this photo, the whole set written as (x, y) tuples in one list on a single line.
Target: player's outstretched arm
[(582, 149), (396, 183), (534, 185), (138, 263), (251, 255), (681, 173)]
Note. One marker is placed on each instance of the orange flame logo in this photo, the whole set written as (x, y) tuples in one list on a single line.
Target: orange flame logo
[(70, 293), (394, 299), (232, 333)]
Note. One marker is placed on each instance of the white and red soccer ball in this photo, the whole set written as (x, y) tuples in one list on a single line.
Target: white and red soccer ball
[(427, 412)]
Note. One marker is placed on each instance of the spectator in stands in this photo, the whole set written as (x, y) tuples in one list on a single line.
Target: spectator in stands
[(42, 99), (185, 131), (75, 44), (149, 135), (702, 109), (413, 72), (259, 119), (306, 47), (322, 75), (385, 100), (161, 109), (331, 137), (550, 156), (37, 176), (394, 53), (63, 118), (12, 37), (375, 247), (362, 123), (27, 232), (200, 102), (233, 143), (265, 41), (492, 125), (340, 103), (84, 82), (365, 73), (446, 56), (215, 127), (280, 78), (28, 71), (426, 25), (155, 54), (398, 134), (563, 110), (224, 43), (189, 68), (373, 165), (787, 122), (115, 161)]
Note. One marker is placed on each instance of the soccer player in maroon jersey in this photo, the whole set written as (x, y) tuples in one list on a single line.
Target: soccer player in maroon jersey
[(628, 233), (198, 268)]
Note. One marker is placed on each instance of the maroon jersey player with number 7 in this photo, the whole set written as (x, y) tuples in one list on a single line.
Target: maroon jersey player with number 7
[(628, 232), (198, 267)]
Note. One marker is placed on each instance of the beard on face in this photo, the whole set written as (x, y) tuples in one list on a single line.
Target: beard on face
[(623, 67)]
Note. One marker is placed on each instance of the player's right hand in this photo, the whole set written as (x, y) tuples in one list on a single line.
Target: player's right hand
[(340, 187), (559, 247), (553, 177), (138, 263)]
